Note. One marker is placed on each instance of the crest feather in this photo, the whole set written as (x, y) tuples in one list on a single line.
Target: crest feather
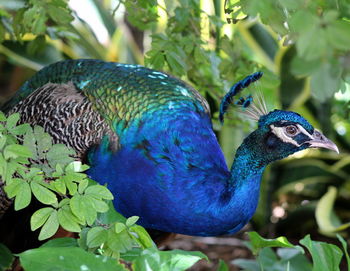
[(247, 106)]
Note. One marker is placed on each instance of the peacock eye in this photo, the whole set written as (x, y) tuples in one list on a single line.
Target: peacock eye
[(291, 130)]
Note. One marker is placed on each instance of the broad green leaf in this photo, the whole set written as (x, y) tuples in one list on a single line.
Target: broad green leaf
[(61, 242), (82, 186), (15, 150), (2, 116), (258, 242), (175, 260), (131, 221), (23, 196), (76, 166), (66, 258), (21, 129), (12, 120), (245, 264), (43, 194), (325, 81), (100, 205), (13, 186), (83, 208), (96, 236), (120, 242), (99, 192), (67, 220), (119, 227), (50, 227), (338, 34), (327, 220), (141, 236), (325, 257), (59, 154), (6, 258), (40, 217)]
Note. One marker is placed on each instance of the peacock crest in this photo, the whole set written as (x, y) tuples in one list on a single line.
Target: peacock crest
[(251, 107)]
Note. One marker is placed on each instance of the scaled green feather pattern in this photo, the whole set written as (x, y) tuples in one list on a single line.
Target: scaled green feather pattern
[(121, 93)]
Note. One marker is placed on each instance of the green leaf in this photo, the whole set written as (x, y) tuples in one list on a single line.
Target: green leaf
[(23, 196), (67, 220), (131, 220), (12, 121), (83, 208), (61, 242), (99, 192), (6, 258), (65, 258), (175, 260), (59, 154), (96, 236), (100, 205), (15, 150), (82, 186), (40, 217), (345, 248), (326, 257), (141, 236), (325, 81), (43, 194), (120, 242), (13, 186), (119, 227), (327, 220), (258, 242), (338, 35), (222, 266), (50, 227)]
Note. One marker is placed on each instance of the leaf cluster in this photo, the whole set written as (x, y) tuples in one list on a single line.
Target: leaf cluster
[(32, 166), (325, 257), (320, 31)]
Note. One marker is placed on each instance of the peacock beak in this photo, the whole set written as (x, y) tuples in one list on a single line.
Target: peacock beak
[(320, 141)]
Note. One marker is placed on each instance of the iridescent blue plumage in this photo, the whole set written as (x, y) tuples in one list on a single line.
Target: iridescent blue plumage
[(156, 149)]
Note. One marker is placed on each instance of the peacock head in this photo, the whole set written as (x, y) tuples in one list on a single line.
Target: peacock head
[(280, 133), (285, 132)]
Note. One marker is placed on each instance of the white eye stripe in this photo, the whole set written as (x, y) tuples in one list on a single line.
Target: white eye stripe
[(280, 133)]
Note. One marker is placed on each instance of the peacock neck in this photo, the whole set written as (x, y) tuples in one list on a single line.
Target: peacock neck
[(248, 163)]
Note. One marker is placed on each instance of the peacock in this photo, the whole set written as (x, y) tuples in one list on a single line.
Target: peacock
[(149, 137)]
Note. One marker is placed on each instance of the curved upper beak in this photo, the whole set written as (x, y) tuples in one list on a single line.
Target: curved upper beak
[(320, 141)]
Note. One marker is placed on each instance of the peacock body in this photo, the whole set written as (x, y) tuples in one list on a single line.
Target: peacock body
[(149, 136)]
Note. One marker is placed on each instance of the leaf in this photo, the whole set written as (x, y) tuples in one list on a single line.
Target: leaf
[(258, 242), (23, 196), (59, 154), (96, 236), (12, 121), (99, 192), (131, 221), (43, 194), (345, 248), (67, 220), (16, 150), (65, 258), (50, 227), (40, 217), (222, 266), (141, 236), (327, 220), (175, 260), (6, 258), (251, 265), (119, 227), (83, 208), (326, 257), (61, 242)]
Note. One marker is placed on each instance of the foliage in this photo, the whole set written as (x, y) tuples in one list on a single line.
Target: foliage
[(301, 46), (325, 23), (33, 167), (325, 257)]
